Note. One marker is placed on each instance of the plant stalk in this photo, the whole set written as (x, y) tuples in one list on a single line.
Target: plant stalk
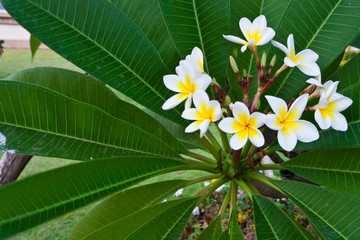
[(263, 179), (224, 139), (270, 167), (200, 157), (233, 189), (225, 203), (244, 187), (211, 188), (204, 178)]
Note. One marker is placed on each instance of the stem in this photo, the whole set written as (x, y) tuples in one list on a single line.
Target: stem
[(213, 141), (272, 80), (211, 188), (200, 157), (245, 149), (224, 139), (225, 203), (210, 147), (252, 187), (204, 178), (256, 98), (263, 179), (244, 187), (265, 152), (233, 189), (270, 166), (200, 166)]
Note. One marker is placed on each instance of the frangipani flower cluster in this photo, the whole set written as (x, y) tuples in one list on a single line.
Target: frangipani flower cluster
[(244, 121)]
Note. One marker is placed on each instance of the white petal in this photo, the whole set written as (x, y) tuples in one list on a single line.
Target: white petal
[(273, 122), (241, 113), (188, 101), (201, 81), (287, 138), (291, 45), (191, 114), (193, 127), (173, 82), (257, 119), (278, 105), (339, 122), (323, 99), (234, 39), (243, 48), (314, 81), (290, 62), (198, 55), (324, 123), (259, 24), (245, 27), (256, 137), (185, 70), (281, 47), (228, 125), (340, 104), (305, 131), (174, 101), (310, 69), (204, 127), (200, 99), (239, 139), (297, 108), (308, 56), (214, 107), (268, 34), (195, 64), (251, 42), (331, 90), (328, 84)]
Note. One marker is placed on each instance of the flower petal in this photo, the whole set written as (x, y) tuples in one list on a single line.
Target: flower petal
[(243, 48), (234, 39), (339, 122), (188, 101), (281, 47), (268, 34), (191, 114), (258, 25), (201, 82), (174, 101), (204, 127), (185, 71), (200, 99), (273, 122), (193, 126), (256, 137), (310, 69), (297, 108), (340, 104), (315, 82), (287, 138), (256, 120), (241, 113), (308, 56), (230, 125), (324, 121), (213, 108), (251, 42), (290, 62), (291, 45), (173, 82), (198, 55), (239, 139), (245, 27), (305, 131), (278, 105)]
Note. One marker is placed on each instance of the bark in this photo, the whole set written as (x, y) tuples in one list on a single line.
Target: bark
[(11, 165)]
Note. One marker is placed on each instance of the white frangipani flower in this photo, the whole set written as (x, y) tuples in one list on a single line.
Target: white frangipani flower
[(287, 123), (196, 59), (304, 60), (256, 33), (185, 82), (244, 125), (328, 110), (324, 87), (204, 113)]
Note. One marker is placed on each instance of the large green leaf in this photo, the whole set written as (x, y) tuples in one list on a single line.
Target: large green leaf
[(234, 230), (31, 201), (121, 205), (34, 45), (38, 121), (89, 90), (273, 223), (165, 220), (337, 169), (213, 231), (335, 215)]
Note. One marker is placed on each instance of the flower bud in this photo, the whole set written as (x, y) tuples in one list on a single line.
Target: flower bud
[(233, 65), (273, 61), (227, 100), (263, 60), (244, 73), (257, 104)]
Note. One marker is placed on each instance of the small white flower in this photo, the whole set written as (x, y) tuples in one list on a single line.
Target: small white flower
[(287, 123), (185, 83), (220, 188), (304, 60), (179, 192), (256, 33), (328, 110), (206, 111), (196, 59), (324, 87), (244, 125), (196, 211)]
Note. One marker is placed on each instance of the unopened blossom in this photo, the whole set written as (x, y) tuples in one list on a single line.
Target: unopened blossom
[(244, 126), (288, 124), (185, 82), (304, 60), (328, 110), (256, 33), (204, 113), (196, 59)]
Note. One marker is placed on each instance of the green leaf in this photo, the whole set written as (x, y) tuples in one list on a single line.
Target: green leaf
[(39, 198), (102, 40), (121, 205), (273, 223), (335, 215), (34, 45), (235, 232), (213, 231), (165, 220), (38, 121), (356, 43), (90, 90), (336, 169)]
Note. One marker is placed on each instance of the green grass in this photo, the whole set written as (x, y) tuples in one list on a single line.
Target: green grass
[(60, 228)]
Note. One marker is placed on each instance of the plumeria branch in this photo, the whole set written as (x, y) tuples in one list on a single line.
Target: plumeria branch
[(200, 157), (270, 167)]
